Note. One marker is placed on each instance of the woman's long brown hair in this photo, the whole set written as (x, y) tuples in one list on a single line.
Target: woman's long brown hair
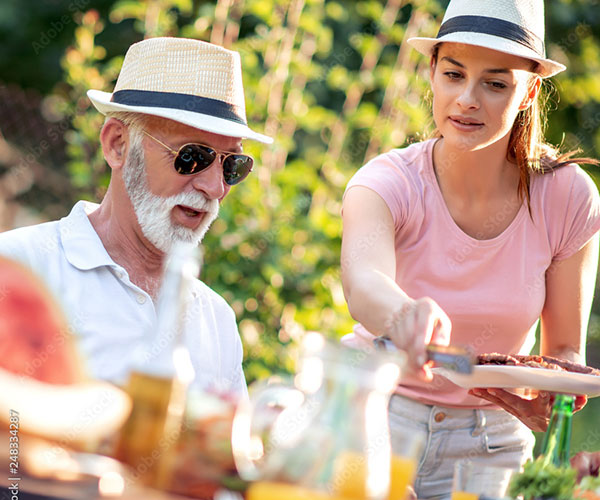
[(527, 146)]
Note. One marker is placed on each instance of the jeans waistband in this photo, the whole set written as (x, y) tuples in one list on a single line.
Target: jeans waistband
[(437, 418)]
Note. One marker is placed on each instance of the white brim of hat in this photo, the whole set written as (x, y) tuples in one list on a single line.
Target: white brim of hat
[(546, 68), (102, 102)]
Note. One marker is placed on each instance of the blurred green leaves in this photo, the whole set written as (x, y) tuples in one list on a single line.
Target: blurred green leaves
[(331, 80)]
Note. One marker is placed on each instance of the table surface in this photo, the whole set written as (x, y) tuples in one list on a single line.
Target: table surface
[(38, 489)]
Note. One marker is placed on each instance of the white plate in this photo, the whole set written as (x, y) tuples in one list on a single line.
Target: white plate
[(513, 377)]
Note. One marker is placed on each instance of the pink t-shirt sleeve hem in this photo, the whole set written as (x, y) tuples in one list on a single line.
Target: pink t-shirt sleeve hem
[(582, 216), (582, 240), (383, 176)]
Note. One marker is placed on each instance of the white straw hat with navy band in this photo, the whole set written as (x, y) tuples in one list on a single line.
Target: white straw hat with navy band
[(512, 26), (189, 81)]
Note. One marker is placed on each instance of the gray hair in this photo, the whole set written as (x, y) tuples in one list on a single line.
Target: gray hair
[(135, 123), (133, 120)]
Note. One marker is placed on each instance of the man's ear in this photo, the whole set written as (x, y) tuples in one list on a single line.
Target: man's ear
[(114, 138), (532, 92)]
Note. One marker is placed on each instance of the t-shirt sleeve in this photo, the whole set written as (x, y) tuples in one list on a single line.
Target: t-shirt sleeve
[(581, 218), (385, 176)]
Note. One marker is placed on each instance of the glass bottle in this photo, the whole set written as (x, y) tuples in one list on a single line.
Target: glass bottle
[(161, 373), (557, 439)]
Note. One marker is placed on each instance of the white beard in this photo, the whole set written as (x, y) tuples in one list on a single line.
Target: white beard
[(154, 212)]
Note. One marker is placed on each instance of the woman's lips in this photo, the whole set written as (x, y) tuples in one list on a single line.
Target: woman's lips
[(465, 124)]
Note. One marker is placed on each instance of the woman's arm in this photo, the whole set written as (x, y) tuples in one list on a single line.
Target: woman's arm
[(369, 260), (569, 292), (570, 287), (368, 277)]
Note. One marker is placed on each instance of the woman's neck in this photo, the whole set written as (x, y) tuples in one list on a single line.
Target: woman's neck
[(479, 188), (474, 175)]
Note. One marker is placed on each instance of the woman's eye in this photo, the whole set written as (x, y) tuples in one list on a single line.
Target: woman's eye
[(452, 75), (498, 85)]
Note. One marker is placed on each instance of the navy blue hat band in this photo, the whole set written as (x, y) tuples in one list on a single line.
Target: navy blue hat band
[(496, 27), (185, 102)]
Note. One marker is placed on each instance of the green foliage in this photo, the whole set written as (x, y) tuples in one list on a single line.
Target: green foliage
[(331, 80), (575, 42), (316, 74), (34, 36), (543, 481)]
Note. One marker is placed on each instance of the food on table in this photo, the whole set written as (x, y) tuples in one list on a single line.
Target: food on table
[(203, 460), (75, 415), (587, 464), (585, 495), (41, 376), (535, 361), (588, 488), (590, 483), (540, 480), (35, 339)]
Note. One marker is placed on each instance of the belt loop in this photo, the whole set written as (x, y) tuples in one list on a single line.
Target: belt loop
[(480, 423), (430, 420)]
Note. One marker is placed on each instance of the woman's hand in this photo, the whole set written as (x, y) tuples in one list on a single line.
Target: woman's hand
[(414, 325), (534, 413)]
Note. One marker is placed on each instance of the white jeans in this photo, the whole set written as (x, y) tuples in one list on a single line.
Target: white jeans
[(493, 437)]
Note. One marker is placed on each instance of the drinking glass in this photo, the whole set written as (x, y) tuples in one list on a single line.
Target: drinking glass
[(407, 448), (473, 480)]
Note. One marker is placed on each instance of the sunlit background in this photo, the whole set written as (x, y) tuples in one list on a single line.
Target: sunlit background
[(332, 81)]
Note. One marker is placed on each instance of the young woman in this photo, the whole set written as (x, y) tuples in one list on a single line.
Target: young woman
[(473, 237)]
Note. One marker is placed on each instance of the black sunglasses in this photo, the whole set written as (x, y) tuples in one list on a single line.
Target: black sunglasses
[(194, 158)]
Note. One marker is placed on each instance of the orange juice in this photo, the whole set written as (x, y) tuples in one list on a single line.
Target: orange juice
[(403, 470), (350, 476), (463, 495), (265, 490), (348, 482)]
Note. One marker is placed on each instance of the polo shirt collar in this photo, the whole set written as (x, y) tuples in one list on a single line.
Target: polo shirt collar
[(82, 246)]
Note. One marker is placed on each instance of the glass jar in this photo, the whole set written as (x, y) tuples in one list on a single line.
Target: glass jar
[(326, 433)]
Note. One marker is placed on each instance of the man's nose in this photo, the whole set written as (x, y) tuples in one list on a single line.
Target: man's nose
[(210, 181)]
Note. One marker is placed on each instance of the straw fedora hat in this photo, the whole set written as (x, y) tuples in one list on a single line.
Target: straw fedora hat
[(512, 26), (189, 81)]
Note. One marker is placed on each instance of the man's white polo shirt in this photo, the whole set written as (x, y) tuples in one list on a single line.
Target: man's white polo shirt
[(111, 316)]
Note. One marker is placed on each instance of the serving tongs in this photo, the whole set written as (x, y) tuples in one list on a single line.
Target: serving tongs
[(453, 358)]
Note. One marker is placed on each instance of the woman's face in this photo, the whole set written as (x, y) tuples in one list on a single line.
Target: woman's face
[(477, 93)]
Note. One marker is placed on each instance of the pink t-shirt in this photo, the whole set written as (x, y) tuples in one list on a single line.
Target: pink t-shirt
[(493, 290)]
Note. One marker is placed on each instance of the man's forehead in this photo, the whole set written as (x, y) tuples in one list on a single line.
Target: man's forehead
[(179, 132)]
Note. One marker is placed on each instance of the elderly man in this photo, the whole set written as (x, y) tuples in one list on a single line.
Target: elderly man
[(173, 141)]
